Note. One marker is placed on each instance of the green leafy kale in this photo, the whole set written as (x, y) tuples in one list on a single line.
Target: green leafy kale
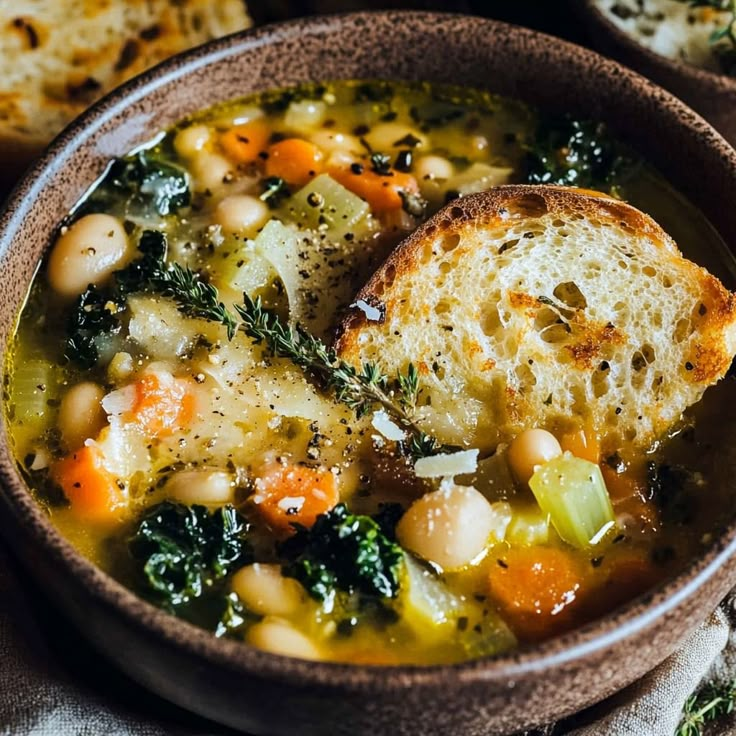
[(93, 314), (183, 550), (577, 153), (672, 488), (343, 552), (235, 617), (96, 311), (147, 184)]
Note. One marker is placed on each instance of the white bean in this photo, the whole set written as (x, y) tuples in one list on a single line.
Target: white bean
[(211, 171), (265, 591), (206, 487), (87, 253), (81, 415), (190, 141), (241, 212), (333, 140), (450, 527), (531, 448), (432, 168), (279, 637)]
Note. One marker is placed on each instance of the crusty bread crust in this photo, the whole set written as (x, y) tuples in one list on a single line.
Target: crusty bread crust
[(546, 306), (56, 58)]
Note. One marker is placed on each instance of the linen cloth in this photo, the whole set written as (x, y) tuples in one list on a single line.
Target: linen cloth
[(53, 684)]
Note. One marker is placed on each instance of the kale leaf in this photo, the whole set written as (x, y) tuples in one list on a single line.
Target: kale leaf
[(93, 313), (146, 182), (577, 153), (672, 488), (96, 311), (343, 552), (186, 549), (235, 617)]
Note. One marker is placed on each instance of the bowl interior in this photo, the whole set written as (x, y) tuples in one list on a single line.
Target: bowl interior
[(545, 72)]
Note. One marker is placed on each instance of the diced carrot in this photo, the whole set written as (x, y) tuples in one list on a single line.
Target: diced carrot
[(92, 491), (584, 444), (537, 589), (243, 143), (294, 494), (294, 160), (382, 192), (163, 404)]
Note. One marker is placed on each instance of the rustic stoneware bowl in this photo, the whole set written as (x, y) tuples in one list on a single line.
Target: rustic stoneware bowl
[(266, 694), (712, 95)]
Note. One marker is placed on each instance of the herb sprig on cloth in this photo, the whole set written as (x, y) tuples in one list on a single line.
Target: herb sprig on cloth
[(709, 704)]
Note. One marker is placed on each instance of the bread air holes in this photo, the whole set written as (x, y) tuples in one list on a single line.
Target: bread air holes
[(508, 245), (450, 242), (570, 295), (683, 329), (526, 378), (550, 326), (490, 321)]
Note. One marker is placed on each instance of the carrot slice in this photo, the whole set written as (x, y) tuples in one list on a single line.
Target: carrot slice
[(162, 404), (294, 160), (294, 494), (382, 192), (92, 491), (584, 444), (537, 589), (243, 143)]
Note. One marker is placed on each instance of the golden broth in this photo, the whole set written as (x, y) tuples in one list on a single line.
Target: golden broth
[(302, 225)]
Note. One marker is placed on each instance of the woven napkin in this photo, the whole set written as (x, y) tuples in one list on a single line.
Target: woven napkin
[(53, 684)]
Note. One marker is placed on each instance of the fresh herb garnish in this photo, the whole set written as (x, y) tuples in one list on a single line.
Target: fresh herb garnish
[(413, 204), (146, 183), (671, 487), (275, 191), (343, 552), (186, 549), (381, 164), (578, 153), (710, 703), (235, 617), (96, 311), (361, 390)]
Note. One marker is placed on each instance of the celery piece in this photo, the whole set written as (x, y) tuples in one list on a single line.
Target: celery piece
[(324, 201), (572, 491), (434, 614), (33, 384)]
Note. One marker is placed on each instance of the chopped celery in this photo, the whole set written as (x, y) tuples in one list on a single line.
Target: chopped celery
[(323, 200), (434, 613), (572, 491), (529, 526), (32, 385)]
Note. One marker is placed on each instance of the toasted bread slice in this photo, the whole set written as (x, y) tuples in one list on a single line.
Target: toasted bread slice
[(57, 57), (533, 306)]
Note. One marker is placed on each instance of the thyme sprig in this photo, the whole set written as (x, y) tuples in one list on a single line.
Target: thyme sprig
[(194, 297), (712, 702), (361, 389)]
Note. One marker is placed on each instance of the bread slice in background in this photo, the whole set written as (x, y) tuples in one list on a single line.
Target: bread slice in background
[(59, 56), (533, 306)]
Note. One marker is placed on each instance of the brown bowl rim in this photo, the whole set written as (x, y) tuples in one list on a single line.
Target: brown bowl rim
[(583, 642), (695, 73)]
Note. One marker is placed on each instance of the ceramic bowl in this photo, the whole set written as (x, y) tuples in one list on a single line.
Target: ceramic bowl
[(712, 95), (266, 694)]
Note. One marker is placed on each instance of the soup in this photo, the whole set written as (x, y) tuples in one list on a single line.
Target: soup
[(176, 406)]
